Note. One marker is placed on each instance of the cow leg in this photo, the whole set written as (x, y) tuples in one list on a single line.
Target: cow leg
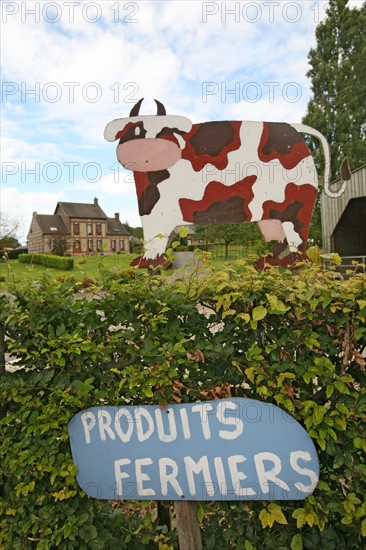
[(291, 237), (154, 252), (294, 215), (155, 244), (294, 239), (273, 230)]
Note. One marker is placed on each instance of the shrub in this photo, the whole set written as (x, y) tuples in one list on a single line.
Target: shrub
[(122, 275), (292, 339), (87, 281), (69, 280), (48, 260)]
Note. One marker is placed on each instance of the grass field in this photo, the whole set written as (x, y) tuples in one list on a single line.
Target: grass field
[(14, 271)]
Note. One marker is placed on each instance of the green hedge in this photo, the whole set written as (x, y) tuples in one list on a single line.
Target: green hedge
[(292, 339), (48, 260)]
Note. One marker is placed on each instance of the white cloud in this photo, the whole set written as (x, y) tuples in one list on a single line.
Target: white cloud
[(116, 182), (20, 204), (20, 151), (165, 50)]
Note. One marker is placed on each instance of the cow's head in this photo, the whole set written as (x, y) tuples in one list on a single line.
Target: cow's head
[(148, 143)]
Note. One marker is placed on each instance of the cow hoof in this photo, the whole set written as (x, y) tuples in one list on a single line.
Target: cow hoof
[(150, 263)]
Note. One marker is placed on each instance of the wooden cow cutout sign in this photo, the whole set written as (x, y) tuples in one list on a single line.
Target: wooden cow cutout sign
[(221, 172)]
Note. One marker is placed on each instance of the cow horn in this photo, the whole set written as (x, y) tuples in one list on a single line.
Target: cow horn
[(135, 109), (161, 108)]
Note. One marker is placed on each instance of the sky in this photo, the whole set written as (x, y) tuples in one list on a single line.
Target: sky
[(70, 67)]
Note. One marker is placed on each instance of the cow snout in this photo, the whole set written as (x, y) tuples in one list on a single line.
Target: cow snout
[(148, 155)]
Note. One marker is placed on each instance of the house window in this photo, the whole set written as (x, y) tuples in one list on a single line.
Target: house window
[(99, 244), (76, 229), (99, 229), (121, 244), (52, 244), (90, 229), (113, 245), (90, 245)]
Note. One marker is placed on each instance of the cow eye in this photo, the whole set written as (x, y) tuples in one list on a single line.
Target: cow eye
[(180, 140), (137, 130)]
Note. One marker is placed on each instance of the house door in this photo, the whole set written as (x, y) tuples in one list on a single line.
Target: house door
[(76, 247)]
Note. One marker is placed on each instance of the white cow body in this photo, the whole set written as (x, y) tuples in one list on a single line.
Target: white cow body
[(220, 172)]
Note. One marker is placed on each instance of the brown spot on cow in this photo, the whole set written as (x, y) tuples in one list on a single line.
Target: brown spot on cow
[(220, 211), (131, 131), (210, 143), (221, 202), (147, 189), (281, 141), (168, 134)]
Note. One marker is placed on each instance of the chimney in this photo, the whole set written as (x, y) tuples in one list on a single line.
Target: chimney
[(95, 201), (117, 216)]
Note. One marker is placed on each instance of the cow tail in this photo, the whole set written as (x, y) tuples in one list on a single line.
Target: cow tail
[(303, 128)]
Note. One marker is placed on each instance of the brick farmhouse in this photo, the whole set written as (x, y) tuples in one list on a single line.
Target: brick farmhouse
[(77, 228)]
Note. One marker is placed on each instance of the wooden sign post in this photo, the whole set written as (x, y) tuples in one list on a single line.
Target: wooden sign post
[(188, 528)]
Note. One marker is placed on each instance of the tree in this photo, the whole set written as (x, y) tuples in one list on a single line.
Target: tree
[(227, 233), (8, 231), (315, 229), (338, 77), (9, 242), (134, 231)]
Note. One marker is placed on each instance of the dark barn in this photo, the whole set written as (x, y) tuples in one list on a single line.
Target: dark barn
[(344, 219)]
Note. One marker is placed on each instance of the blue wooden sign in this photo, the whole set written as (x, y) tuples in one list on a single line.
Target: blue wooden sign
[(229, 449)]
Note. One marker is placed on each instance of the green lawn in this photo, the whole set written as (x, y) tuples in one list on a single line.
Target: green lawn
[(91, 266), (13, 271)]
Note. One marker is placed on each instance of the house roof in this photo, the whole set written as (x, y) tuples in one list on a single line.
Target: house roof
[(51, 224), (191, 229), (135, 240), (80, 210), (115, 227)]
